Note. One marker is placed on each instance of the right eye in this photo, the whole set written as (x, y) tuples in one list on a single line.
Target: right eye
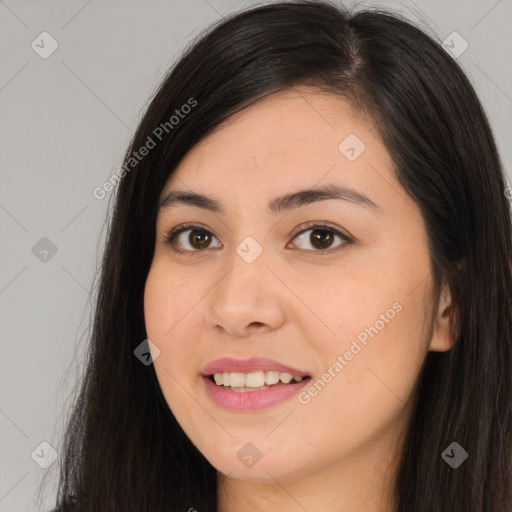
[(198, 238)]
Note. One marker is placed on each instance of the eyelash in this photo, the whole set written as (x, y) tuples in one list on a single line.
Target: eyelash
[(170, 238)]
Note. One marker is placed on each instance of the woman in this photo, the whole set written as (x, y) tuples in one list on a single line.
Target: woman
[(305, 296)]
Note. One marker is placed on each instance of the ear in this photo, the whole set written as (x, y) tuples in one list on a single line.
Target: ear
[(442, 336)]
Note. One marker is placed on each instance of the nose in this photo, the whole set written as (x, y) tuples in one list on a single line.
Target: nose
[(247, 298)]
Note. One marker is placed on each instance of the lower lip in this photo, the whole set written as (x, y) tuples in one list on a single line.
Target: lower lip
[(251, 400)]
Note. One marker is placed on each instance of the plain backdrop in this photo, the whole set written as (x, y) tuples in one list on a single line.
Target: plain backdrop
[(65, 122)]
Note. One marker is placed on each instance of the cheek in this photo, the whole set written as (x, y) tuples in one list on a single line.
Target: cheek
[(155, 304), (361, 396), (161, 318), (168, 306), (167, 301), (373, 351)]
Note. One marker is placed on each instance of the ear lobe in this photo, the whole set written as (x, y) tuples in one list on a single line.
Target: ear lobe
[(442, 336)]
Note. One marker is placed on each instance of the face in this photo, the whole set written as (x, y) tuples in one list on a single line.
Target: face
[(334, 287)]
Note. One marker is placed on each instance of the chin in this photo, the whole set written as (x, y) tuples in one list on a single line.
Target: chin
[(257, 461)]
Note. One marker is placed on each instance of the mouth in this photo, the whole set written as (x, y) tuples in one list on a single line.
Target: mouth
[(254, 381)]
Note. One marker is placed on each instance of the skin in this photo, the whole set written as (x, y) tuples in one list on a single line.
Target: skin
[(297, 305)]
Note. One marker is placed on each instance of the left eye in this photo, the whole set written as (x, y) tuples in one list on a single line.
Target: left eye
[(320, 238)]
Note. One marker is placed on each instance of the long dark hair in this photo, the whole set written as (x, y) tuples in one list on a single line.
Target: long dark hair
[(123, 449)]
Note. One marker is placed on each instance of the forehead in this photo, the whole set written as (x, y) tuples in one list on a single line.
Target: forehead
[(290, 141), (287, 119), (282, 137)]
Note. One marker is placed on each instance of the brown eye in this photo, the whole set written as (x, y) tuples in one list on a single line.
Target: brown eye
[(194, 238), (197, 239), (322, 238)]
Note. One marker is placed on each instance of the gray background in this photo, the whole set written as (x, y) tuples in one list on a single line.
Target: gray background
[(65, 123)]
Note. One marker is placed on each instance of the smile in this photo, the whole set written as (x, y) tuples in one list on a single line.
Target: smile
[(242, 382), (251, 384)]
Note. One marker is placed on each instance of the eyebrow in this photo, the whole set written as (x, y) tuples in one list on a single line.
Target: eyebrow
[(277, 205)]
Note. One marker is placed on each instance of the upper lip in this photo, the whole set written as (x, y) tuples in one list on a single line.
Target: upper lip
[(254, 364)]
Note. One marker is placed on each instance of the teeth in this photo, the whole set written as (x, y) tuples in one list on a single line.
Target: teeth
[(258, 379), (285, 377), (236, 380), (252, 380), (271, 378)]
